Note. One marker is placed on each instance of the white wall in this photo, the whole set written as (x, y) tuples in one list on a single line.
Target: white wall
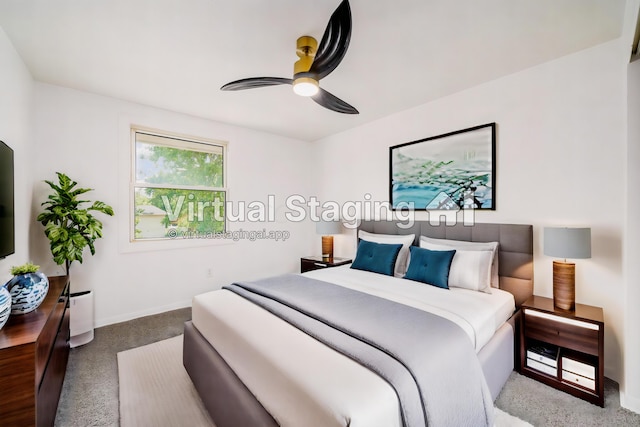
[(630, 398), (16, 111), (561, 146), (87, 137)]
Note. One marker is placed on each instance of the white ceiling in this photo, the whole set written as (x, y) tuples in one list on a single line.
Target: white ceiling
[(175, 54)]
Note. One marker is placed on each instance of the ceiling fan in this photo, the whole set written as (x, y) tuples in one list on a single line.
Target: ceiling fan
[(315, 63)]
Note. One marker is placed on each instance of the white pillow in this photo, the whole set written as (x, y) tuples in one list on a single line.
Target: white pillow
[(406, 240), (470, 269), (472, 246)]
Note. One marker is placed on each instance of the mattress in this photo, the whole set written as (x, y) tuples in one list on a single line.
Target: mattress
[(299, 380)]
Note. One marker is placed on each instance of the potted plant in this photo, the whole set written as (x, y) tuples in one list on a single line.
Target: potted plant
[(28, 287), (69, 226)]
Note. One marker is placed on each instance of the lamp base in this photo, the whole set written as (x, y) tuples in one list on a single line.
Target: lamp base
[(327, 247), (564, 285)]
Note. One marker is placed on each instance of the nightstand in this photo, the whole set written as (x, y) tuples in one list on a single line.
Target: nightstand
[(310, 263), (564, 349)]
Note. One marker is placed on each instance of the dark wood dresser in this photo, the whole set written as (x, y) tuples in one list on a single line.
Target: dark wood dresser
[(34, 349)]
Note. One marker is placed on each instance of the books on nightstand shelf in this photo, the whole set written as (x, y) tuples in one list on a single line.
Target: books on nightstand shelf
[(543, 358)]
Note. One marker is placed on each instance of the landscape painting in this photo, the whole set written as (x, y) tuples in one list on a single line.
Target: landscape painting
[(451, 171)]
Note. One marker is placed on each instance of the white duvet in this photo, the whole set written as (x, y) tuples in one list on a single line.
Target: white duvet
[(302, 382)]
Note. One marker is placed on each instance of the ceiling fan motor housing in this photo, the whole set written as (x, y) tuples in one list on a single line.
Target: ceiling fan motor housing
[(304, 83), (306, 47)]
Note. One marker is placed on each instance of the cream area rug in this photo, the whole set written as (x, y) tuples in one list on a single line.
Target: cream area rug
[(155, 390)]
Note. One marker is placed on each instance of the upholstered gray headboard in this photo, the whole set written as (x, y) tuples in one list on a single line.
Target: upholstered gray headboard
[(515, 247)]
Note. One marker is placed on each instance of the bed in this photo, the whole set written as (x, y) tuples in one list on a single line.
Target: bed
[(253, 369)]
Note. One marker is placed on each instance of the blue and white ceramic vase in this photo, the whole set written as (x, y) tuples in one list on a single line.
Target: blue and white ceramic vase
[(5, 305), (27, 292)]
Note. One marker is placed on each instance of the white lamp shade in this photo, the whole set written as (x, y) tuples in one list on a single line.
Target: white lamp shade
[(567, 242), (327, 228)]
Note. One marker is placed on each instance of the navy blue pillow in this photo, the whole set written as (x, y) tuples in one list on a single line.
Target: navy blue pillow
[(431, 267), (376, 257)]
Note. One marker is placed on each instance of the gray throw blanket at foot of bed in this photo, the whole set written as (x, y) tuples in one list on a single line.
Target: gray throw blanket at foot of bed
[(428, 360)]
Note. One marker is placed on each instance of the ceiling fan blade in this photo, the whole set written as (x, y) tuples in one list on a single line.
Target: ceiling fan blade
[(333, 103), (255, 82), (334, 43)]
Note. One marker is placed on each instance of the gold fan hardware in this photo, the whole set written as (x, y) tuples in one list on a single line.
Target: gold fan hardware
[(306, 47)]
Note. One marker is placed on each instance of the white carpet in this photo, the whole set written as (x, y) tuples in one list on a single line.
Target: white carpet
[(155, 390)]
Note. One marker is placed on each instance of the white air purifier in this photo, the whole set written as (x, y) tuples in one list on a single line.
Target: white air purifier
[(81, 321)]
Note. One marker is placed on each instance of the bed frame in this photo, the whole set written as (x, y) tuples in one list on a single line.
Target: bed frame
[(230, 403)]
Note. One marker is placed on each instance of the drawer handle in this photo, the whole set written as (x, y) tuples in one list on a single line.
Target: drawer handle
[(317, 264)]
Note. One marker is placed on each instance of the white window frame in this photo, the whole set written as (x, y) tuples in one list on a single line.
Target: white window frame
[(177, 141)]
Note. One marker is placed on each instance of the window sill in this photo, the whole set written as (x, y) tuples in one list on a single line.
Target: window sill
[(150, 245)]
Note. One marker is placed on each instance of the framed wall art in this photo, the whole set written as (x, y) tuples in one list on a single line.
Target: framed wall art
[(451, 171)]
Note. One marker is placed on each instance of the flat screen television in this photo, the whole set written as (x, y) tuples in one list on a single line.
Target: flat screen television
[(7, 219)]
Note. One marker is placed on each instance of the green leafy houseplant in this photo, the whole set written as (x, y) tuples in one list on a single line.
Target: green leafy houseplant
[(69, 226), (29, 267)]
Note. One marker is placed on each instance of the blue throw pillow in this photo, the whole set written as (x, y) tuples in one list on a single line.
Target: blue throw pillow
[(376, 257), (430, 267)]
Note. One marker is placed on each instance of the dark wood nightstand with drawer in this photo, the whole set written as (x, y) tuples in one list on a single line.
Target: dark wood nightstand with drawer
[(310, 263), (564, 349)]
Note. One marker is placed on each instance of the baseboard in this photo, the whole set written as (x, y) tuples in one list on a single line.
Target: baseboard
[(148, 312), (631, 403)]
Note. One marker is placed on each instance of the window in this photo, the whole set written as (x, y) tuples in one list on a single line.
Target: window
[(178, 186)]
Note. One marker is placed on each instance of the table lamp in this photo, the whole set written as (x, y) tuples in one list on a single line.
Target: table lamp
[(327, 229), (566, 242)]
